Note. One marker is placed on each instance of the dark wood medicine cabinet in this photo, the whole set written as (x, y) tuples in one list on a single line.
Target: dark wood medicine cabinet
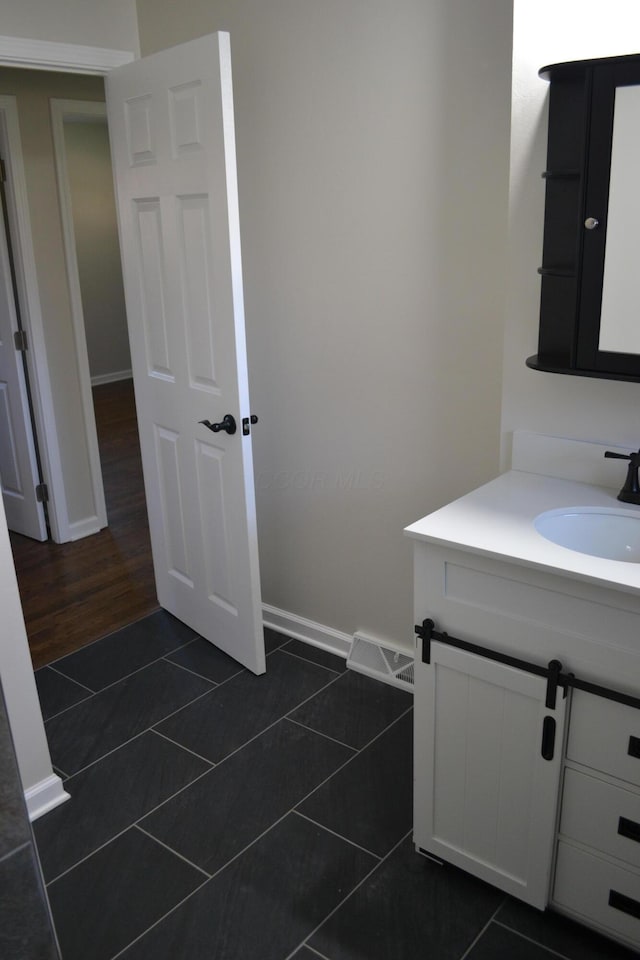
[(590, 297)]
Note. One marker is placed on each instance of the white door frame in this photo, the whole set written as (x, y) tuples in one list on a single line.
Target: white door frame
[(66, 58), (79, 110)]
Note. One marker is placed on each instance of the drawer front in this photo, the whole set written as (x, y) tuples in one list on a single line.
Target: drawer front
[(601, 815), (598, 891), (605, 735)]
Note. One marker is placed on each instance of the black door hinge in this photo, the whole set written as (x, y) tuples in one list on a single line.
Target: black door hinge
[(42, 493), (20, 340), (3, 171)]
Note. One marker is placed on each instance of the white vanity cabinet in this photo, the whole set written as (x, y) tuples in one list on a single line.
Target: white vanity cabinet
[(597, 875), (560, 831), (487, 780)]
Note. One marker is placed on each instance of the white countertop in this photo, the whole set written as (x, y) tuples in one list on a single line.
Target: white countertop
[(497, 520)]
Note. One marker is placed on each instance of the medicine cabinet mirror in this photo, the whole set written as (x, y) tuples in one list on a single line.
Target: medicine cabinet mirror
[(590, 296)]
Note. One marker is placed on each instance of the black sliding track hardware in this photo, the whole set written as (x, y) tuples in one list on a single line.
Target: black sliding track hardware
[(634, 747), (553, 672)]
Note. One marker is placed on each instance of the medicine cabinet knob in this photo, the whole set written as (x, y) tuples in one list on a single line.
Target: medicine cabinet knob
[(591, 223)]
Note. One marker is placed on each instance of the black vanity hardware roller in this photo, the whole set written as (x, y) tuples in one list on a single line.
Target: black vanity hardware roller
[(634, 747), (629, 829), (625, 904)]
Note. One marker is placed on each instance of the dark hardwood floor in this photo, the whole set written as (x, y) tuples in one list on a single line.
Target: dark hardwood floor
[(74, 593)]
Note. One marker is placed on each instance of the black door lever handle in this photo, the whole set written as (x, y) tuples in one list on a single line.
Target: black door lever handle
[(228, 424)]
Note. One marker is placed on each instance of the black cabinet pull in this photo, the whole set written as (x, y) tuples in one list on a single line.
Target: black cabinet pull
[(625, 904), (548, 738), (629, 829), (634, 747)]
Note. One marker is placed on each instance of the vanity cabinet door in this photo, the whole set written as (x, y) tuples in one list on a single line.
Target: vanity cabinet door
[(485, 796)]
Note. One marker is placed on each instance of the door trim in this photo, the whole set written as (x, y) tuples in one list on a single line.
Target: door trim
[(60, 57), (68, 58), (27, 280), (90, 111)]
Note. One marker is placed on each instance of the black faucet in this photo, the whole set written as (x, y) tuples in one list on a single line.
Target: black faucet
[(630, 492)]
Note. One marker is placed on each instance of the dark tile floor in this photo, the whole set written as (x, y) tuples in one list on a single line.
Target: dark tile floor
[(220, 816)]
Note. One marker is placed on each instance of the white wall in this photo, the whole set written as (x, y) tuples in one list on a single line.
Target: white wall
[(110, 23), (98, 251), (372, 140), (551, 31)]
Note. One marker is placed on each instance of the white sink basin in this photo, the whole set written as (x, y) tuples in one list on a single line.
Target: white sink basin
[(599, 531)]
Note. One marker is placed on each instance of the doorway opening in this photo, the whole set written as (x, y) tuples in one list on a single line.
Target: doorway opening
[(75, 592)]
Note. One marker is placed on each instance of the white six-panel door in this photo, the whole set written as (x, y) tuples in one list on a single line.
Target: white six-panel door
[(172, 135), (19, 474)]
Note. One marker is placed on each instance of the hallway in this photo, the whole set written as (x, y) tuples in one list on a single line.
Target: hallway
[(74, 593)]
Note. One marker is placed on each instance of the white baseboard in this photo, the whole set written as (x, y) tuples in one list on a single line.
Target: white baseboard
[(111, 377), (316, 634), (84, 528), (44, 796)]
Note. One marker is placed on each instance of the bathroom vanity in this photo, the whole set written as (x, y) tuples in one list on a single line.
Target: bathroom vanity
[(527, 701)]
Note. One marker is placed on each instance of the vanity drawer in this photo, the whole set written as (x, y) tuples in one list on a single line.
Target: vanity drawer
[(601, 815), (598, 891), (605, 735)]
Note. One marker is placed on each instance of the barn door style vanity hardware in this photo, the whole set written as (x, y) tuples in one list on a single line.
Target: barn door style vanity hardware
[(535, 792)]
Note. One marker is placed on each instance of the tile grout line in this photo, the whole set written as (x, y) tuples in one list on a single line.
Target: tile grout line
[(60, 673), (160, 843), (284, 716), (319, 733), (217, 763), (159, 920), (537, 943), (293, 810), (341, 767), (315, 952), (129, 826), (82, 860), (306, 659), (357, 750), (299, 802), (364, 879), (127, 676), (481, 932), (213, 766), (111, 634), (193, 673), (210, 878), (322, 826), (136, 735), (212, 763)]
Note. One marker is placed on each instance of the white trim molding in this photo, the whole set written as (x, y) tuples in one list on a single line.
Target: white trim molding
[(60, 57), (101, 378), (88, 112), (44, 796), (316, 634), (46, 426)]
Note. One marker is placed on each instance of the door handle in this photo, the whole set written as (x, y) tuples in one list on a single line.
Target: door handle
[(227, 423)]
